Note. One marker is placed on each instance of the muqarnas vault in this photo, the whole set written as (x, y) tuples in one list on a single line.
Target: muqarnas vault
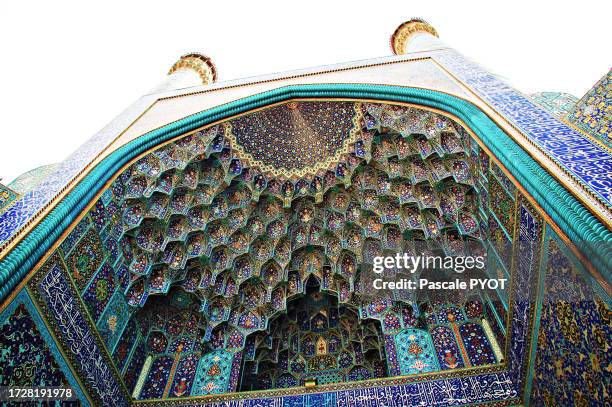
[(207, 246)]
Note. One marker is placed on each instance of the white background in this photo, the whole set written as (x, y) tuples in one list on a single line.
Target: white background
[(68, 68)]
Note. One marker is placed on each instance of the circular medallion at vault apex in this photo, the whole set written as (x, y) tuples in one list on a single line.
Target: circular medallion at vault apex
[(295, 138)]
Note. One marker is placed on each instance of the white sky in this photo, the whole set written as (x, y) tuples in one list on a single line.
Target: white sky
[(68, 68)]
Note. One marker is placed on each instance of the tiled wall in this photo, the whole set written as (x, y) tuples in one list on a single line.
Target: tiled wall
[(82, 285)]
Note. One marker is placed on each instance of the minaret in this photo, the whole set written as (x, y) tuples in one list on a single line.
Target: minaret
[(192, 69), (414, 35)]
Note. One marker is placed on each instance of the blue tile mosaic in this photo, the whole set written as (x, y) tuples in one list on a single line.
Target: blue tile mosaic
[(584, 159), (58, 299)]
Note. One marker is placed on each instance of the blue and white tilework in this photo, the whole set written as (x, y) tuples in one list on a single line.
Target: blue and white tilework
[(451, 392), (585, 160), (59, 301), (524, 289)]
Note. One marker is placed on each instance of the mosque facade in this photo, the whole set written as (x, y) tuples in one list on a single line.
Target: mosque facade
[(214, 243)]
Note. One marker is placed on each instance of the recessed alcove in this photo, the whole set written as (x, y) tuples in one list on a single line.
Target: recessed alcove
[(248, 241)]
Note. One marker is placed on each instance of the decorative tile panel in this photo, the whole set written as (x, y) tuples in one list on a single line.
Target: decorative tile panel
[(86, 258), (573, 356), (97, 295), (524, 289), (7, 196), (415, 352), (135, 364), (185, 375), (157, 377), (58, 300), (557, 103), (124, 347), (113, 320), (28, 353), (213, 374), (593, 113)]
